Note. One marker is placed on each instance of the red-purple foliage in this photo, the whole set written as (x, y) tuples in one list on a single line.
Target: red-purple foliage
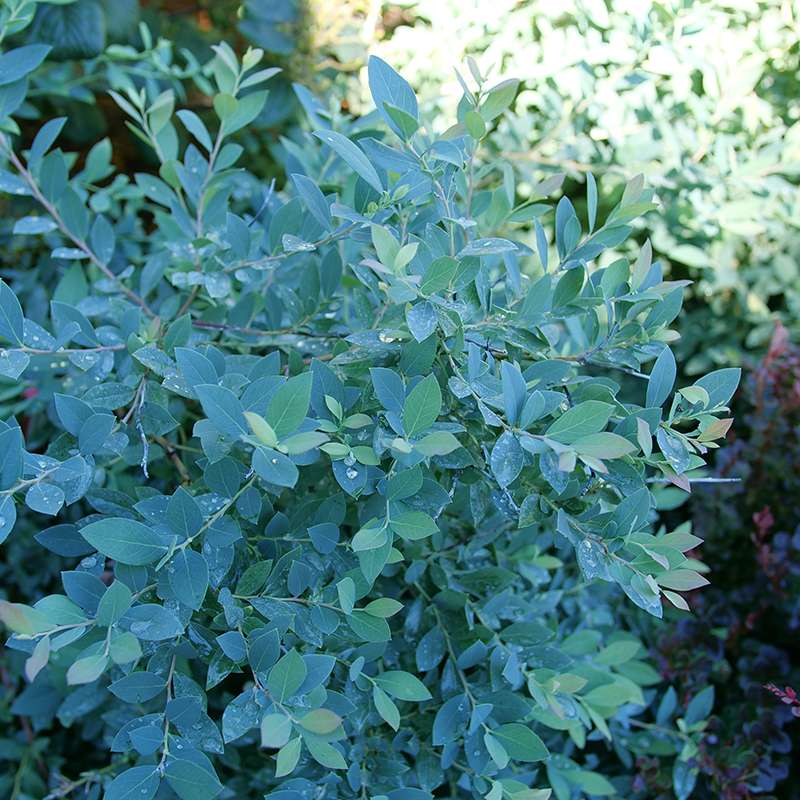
[(744, 628)]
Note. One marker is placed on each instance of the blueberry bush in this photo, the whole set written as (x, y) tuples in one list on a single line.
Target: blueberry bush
[(342, 487)]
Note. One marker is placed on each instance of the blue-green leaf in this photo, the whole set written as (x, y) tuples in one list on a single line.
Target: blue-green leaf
[(289, 405), (422, 406), (287, 676), (388, 87), (588, 417), (11, 319), (223, 408), (192, 777), (662, 378), (352, 156), (136, 783), (124, 540), (138, 687), (507, 459), (720, 385), (19, 62), (274, 467)]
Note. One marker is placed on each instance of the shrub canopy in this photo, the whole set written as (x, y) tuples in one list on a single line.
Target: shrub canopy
[(349, 478)]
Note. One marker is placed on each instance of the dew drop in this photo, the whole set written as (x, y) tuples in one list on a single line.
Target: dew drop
[(351, 474)]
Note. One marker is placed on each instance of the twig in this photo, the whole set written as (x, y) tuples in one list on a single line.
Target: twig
[(67, 350), (76, 240), (265, 260), (86, 777), (187, 304), (222, 326), (697, 480), (173, 456)]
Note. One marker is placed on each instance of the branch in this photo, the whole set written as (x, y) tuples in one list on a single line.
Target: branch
[(221, 326), (173, 456), (697, 480), (76, 240)]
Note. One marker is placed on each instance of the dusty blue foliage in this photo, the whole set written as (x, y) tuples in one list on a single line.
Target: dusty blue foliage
[(350, 479)]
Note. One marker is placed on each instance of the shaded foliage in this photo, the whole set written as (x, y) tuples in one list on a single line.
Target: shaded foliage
[(743, 637)]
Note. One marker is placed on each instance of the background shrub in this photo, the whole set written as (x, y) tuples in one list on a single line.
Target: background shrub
[(701, 97), (752, 608)]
